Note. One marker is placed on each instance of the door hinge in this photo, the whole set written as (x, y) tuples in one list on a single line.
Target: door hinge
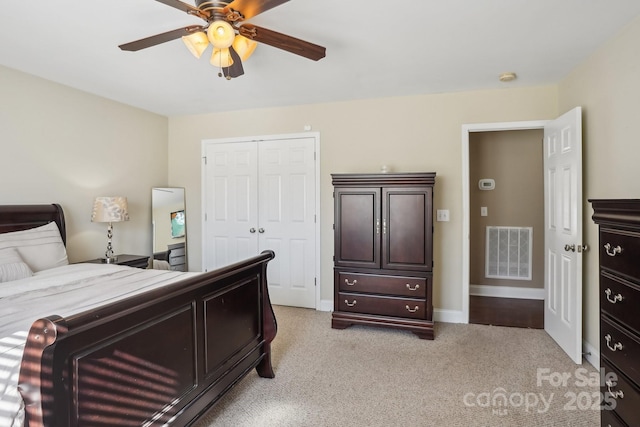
[(205, 216), (315, 281), (205, 160)]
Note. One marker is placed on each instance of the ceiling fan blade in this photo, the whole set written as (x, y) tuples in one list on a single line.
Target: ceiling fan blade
[(251, 8), (236, 69), (282, 41), (185, 7), (161, 38)]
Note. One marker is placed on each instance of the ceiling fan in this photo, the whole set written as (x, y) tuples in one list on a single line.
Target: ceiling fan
[(233, 40)]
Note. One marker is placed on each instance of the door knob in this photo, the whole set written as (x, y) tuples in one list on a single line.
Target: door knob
[(252, 230), (260, 230), (570, 248)]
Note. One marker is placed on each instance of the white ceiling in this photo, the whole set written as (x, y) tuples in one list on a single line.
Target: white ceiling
[(374, 48)]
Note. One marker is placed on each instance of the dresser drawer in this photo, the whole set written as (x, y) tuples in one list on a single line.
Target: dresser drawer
[(610, 419), (621, 348), (620, 251), (380, 305), (620, 299), (376, 284), (623, 393)]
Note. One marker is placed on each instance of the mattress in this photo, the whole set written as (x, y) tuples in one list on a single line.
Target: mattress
[(62, 291)]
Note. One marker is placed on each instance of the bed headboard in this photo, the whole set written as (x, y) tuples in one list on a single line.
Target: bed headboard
[(23, 217)]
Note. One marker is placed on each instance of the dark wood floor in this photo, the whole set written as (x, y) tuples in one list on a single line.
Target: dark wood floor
[(520, 313)]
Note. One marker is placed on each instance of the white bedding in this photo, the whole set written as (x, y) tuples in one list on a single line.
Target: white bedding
[(62, 291)]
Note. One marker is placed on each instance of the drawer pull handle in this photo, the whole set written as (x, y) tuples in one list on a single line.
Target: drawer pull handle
[(614, 394), (352, 283), (612, 252), (616, 346), (350, 305), (616, 298), (409, 309), (415, 288)]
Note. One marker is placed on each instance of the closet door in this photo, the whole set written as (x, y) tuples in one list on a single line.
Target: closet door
[(261, 195), (231, 204), (286, 218)]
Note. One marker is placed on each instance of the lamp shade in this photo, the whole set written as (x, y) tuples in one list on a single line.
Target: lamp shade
[(221, 58), (197, 43), (244, 46), (221, 34), (110, 209)]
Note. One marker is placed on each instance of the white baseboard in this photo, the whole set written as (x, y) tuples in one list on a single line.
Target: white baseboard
[(325, 305), (506, 292), (448, 316), (591, 354)]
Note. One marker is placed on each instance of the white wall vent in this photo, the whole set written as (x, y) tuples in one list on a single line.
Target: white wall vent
[(508, 253)]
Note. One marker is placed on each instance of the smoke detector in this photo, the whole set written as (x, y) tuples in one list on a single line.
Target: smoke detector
[(507, 77)]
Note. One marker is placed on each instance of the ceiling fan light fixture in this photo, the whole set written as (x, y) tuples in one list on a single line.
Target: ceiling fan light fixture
[(244, 46), (221, 58), (221, 34), (197, 43)]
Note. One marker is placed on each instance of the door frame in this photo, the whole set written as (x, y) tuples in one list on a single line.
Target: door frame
[(316, 138), (466, 210)]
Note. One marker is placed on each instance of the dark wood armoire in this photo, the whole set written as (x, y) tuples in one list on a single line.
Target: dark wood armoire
[(383, 257)]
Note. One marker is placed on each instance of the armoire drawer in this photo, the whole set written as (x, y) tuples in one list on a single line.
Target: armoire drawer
[(619, 251), (415, 287), (380, 305), (621, 348), (624, 395), (619, 298)]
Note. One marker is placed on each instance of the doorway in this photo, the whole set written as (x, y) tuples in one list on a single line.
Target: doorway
[(506, 237), (562, 158)]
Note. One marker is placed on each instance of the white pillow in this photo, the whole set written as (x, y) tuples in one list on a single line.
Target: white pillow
[(12, 267), (41, 248)]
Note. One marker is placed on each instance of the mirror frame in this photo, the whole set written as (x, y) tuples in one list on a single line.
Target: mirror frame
[(169, 253)]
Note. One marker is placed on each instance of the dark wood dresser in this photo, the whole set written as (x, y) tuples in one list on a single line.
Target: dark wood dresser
[(619, 234), (383, 263)]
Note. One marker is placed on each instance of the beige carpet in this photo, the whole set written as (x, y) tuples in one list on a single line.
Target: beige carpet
[(470, 375)]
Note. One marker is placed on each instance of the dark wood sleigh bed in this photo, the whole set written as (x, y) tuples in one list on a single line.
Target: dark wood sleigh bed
[(163, 357)]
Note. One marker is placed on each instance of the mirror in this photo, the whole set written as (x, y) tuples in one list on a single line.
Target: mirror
[(168, 219)]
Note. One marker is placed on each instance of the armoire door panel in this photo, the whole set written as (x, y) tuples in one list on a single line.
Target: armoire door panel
[(358, 221), (407, 212)]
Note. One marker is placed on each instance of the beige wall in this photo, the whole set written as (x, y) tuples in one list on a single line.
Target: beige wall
[(607, 86), (420, 133), (61, 145), (514, 160)]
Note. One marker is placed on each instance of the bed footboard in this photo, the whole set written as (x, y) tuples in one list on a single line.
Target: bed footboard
[(163, 357)]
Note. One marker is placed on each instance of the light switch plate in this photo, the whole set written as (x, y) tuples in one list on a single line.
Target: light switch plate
[(442, 215)]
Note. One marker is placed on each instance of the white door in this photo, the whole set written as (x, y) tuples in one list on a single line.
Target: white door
[(261, 195), (286, 219), (563, 232), (231, 205)]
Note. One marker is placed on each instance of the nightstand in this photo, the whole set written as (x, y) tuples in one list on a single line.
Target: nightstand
[(139, 261)]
